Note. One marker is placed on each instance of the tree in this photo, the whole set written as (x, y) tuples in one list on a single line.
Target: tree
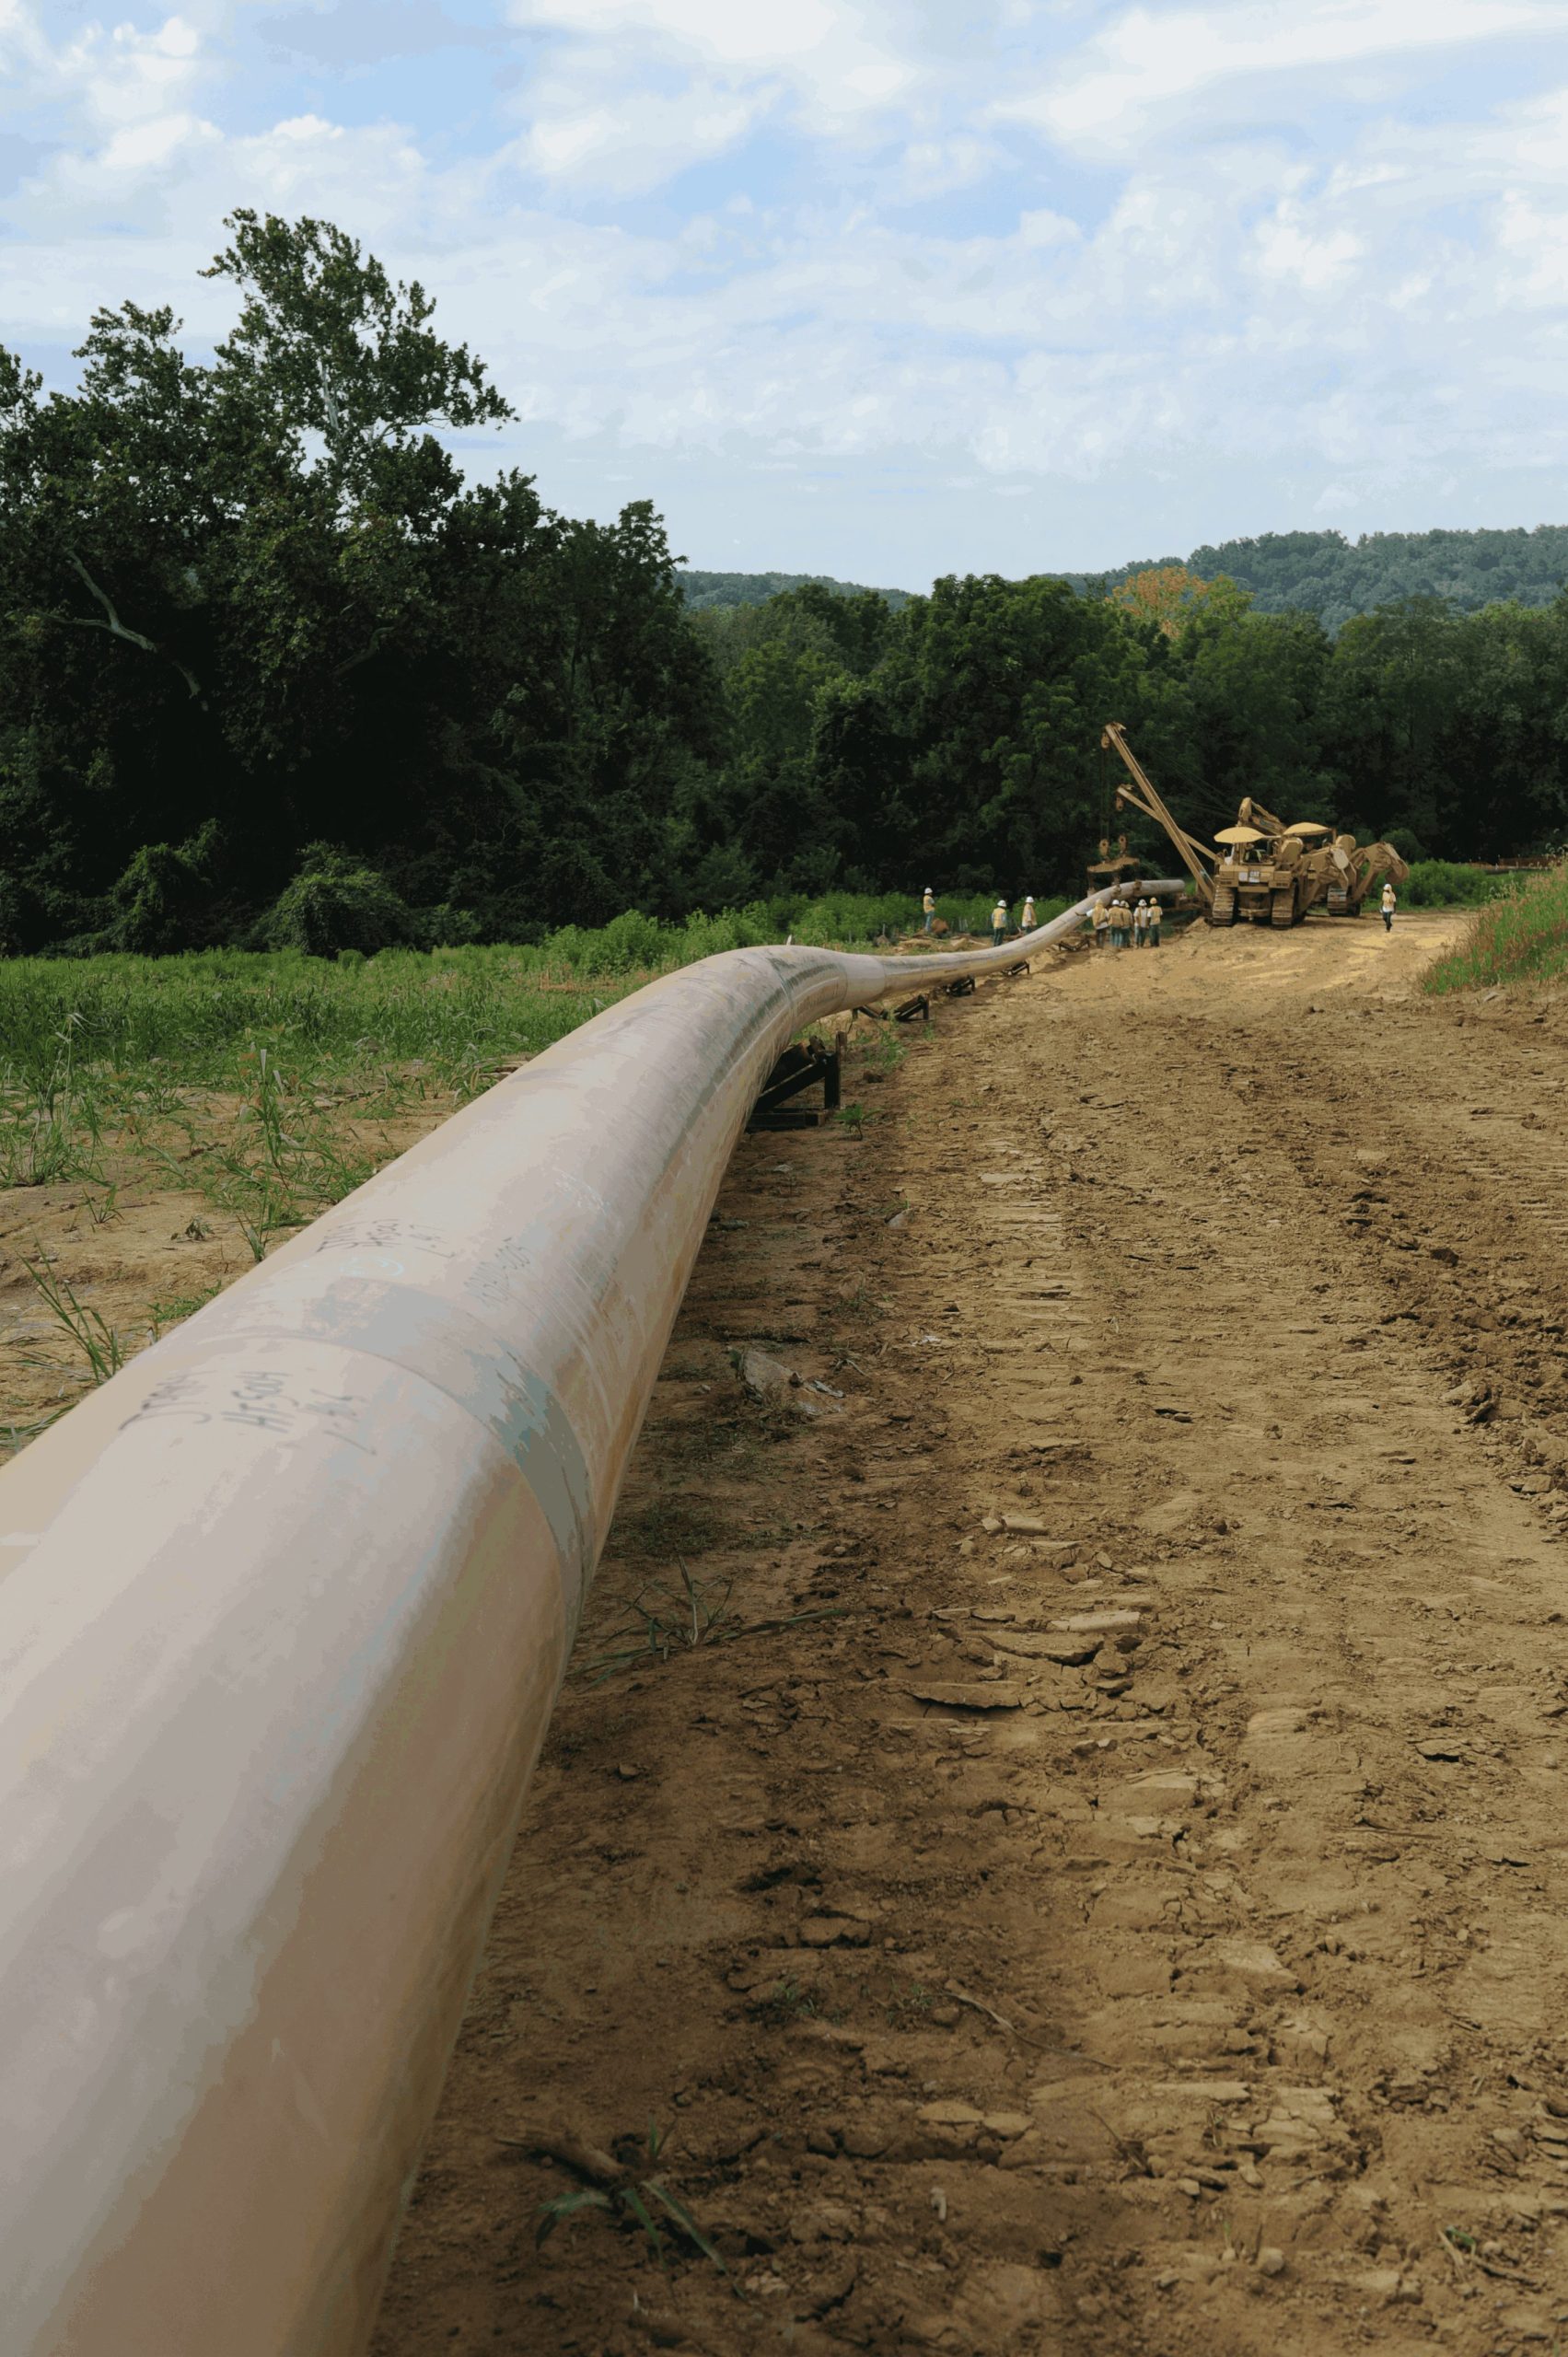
[(1171, 598), (258, 594)]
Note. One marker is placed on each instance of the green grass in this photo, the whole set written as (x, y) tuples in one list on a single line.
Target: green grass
[(1521, 939), (195, 1015), (1448, 884), (453, 1010)]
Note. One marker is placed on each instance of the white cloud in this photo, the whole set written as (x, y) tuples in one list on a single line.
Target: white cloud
[(623, 141), (828, 65), (1368, 305), (1150, 62)]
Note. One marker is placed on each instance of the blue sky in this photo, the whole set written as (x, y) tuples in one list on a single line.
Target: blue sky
[(882, 290)]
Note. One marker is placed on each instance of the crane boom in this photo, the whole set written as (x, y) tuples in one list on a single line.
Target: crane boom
[(1145, 795)]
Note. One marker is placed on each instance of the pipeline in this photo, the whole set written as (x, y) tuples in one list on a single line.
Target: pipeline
[(284, 1609)]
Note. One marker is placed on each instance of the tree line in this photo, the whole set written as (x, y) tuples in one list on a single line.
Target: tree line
[(274, 669), (1326, 575)]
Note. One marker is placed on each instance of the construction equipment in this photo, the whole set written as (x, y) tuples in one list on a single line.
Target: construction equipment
[(1145, 795), (1263, 869)]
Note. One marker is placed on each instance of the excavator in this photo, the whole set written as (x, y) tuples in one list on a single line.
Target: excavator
[(1260, 868)]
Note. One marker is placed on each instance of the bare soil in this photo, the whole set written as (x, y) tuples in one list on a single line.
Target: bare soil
[(1100, 1884), (139, 1249)]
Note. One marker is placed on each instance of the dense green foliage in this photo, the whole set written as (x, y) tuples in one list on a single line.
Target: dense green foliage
[(1446, 884), (273, 673), (702, 590), (253, 607), (1325, 574), (1308, 573), (1522, 938), (965, 731)]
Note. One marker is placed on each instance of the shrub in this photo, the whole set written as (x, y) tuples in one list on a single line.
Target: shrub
[(334, 903), (161, 901), (1446, 884)]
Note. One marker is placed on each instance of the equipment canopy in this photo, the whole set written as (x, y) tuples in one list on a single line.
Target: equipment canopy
[(1309, 826), (1239, 835)]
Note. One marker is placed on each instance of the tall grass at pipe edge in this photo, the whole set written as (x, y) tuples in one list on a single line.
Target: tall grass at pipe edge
[(1521, 938), (452, 1010)]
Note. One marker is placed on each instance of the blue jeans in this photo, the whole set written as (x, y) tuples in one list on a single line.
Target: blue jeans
[(1388, 916), (998, 936), (929, 913)]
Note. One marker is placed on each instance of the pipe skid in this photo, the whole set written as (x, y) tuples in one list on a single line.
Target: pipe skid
[(284, 1609)]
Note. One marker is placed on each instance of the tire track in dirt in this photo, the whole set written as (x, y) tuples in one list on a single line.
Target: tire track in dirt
[(1131, 1921)]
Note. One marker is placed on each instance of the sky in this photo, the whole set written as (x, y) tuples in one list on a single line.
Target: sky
[(879, 288)]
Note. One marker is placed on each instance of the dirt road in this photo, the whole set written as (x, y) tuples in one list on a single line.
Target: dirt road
[(1109, 1893)]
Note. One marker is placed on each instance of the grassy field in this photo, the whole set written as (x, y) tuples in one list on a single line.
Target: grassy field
[(1521, 938)]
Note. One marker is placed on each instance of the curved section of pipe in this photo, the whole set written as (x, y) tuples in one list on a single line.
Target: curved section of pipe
[(284, 1609)]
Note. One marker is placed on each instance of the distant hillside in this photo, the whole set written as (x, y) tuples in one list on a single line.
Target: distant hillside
[(703, 589), (1324, 574), (1316, 573)]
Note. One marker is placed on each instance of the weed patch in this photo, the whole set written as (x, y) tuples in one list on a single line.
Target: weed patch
[(1521, 939)]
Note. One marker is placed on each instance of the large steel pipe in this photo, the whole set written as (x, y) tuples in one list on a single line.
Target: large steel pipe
[(284, 1608)]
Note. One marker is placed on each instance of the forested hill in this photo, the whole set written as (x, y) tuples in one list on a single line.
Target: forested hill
[(1324, 574), (1308, 573), (704, 591)]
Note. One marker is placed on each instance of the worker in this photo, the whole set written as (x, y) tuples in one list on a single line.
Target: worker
[(1121, 922), (999, 924), (929, 905), (1099, 917), (1027, 922), (1139, 914), (1151, 923), (1390, 905)]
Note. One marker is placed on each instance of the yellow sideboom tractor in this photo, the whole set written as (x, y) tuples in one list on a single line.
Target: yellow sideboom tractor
[(1260, 868)]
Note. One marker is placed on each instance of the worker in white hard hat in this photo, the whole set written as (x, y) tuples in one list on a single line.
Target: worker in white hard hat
[(1152, 915), (1121, 922), (999, 920), (1390, 901), (1027, 922), (1138, 915), (928, 903)]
